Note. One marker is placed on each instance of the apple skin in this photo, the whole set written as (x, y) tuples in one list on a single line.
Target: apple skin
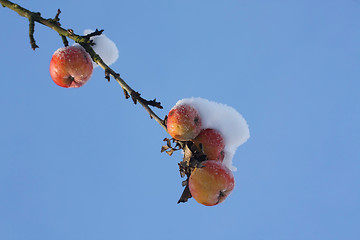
[(212, 144), (183, 122), (211, 183), (71, 67)]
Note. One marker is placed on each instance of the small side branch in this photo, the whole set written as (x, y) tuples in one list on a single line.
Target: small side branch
[(56, 18), (127, 96), (153, 103), (95, 33), (31, 33)]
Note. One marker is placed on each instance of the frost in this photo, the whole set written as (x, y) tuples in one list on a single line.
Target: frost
[(226, 120), (104, 47)]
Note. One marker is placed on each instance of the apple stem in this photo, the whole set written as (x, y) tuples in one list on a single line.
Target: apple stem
[(65, 41)]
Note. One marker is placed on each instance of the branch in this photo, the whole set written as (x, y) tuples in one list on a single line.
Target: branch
[(86, 43), (192, 156)]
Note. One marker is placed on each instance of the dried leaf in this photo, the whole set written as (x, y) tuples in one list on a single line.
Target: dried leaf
[(184, 183), (168, 142), (164, 148), (185, 195), (170, 152)]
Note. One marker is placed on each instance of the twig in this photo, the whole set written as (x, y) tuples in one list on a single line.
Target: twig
[(31, 33), (95, 33), (56, 18)]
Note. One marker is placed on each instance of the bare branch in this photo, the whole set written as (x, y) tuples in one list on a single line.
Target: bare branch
[(192, 155), (86, 43)]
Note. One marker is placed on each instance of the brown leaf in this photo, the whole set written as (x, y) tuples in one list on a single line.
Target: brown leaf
[(164, 148), (185, 195), (170, 152)]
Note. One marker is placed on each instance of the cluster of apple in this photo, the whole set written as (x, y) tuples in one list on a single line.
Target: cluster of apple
[(71, 67), (211, 181)]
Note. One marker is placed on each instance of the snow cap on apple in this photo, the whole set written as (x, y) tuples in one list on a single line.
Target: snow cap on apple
[(226, 120)]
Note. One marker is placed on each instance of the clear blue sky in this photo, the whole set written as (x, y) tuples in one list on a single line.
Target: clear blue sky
[(86, 163)]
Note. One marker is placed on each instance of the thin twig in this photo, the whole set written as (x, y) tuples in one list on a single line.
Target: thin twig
[(31, 33), (56, 18)]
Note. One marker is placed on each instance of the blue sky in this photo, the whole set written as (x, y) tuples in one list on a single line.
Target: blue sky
[(86, 163)]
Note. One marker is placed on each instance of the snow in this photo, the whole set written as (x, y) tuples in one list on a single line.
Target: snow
[(104, 47), (226, 120)]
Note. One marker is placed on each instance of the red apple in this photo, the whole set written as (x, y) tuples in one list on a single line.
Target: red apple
[(212, 144), (71, 67), (184, 122), (211, 183)]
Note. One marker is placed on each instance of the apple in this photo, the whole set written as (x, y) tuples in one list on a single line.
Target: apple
[(212, 144), (71, 67), (184, 122), (211, 183)]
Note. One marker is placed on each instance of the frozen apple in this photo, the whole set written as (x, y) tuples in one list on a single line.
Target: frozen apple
[(212, 143), (71, 67), (211, 183), (183, 122)]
